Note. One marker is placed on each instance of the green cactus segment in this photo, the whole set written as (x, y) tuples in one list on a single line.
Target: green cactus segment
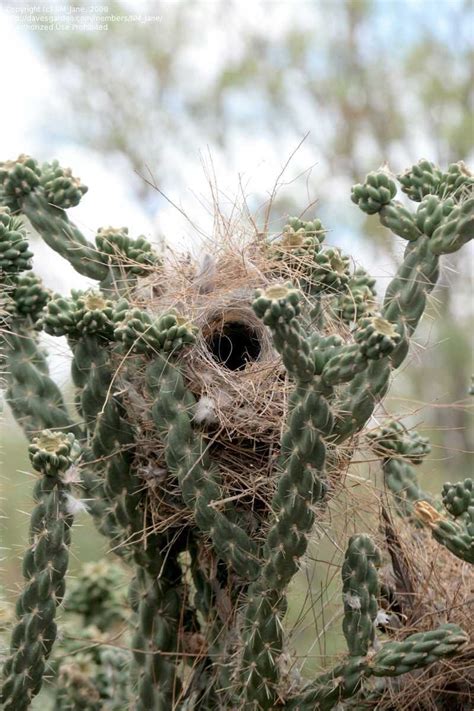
[(44, 566), (15, 255), (355, 304), (300, 486), (418, 651), (139, 332), (394, 440), (63, 236), (61, 188), (358, 300), (96, 595), (404, 305), (458, 498), (87, 320), (84, 313), (360, 593), (330, 272), (117, 249), (455, 230), (457, 535), (28, 297), (431, 213), (329, 689), (420, 180), (406, 295), (377, 190), (34, 398), (425, 179), (187, 458), (360, 590), (443, 227), (400, 221), (41, 198), (278, 307), (399, 449), (18, 178), (157, 602), (375, 339)]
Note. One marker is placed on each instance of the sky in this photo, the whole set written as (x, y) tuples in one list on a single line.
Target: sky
[(250, 156)]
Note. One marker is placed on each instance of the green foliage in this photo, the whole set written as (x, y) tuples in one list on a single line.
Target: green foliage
[(241, 559)]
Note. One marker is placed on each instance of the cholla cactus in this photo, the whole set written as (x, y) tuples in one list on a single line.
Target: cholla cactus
[(183, 389)]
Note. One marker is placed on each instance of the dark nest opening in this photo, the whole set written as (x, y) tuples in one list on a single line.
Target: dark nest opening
[(235, 345)]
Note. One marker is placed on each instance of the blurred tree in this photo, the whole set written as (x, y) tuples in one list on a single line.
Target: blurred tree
[(367, 78)]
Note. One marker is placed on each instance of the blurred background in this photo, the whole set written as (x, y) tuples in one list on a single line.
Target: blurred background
[(170, 93)]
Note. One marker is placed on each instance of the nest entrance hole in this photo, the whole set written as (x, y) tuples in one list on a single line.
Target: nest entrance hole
[(234, 345)]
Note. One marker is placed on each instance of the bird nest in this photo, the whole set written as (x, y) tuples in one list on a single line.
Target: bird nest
[(237, 377)]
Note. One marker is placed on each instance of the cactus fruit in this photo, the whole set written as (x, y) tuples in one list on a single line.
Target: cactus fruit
[(212, 521)]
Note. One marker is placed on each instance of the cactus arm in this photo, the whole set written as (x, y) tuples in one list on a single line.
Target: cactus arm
[(425, 179), (360, 593), (42, 195), (59, 233), (399, 451), (126, 258), (44, 567), (417, 651), (278, 308), (157, 572), (300, 486), (34, 398), (330, 688), (156, 599), (458, 498), (438, 227), (86, 321), (375, 339), (456, 535)]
